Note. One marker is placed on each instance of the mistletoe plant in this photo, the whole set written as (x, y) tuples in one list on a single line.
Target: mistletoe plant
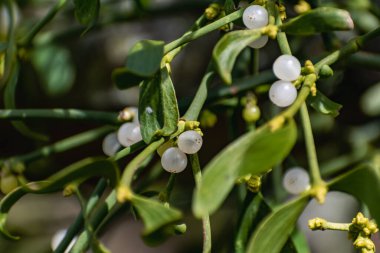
[(175, 130)]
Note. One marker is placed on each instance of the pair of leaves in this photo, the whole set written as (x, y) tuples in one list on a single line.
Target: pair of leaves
[(55, 69), (143, 62), (324, 105), (75, 173), (158, 108), (318, 20), (253, 153)]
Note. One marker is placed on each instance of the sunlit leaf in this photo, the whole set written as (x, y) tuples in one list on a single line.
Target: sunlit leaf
[(273, 232), (253, 153), (322, 19), (228, 48), (144, 58)]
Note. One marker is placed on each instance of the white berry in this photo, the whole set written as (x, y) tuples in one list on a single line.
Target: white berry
[(190, 142), (129, 134), (58, 237), (260, 42), (110, 144), (282, 93), (255, 16), (174, 160), (287, 67), (296, 180)]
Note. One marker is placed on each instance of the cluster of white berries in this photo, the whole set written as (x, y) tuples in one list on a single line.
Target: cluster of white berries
[(287, 68), (296, 180), (255, 17), (127, 135), (174, 159)]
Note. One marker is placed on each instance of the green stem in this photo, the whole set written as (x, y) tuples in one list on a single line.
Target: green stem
[(41, 24), (170, 55), (84, 238), (67, 114), (310, 147), (78, 223), (64, 145), (203, 31), (164, 195), (131, 168), (196, 105), (207, 243)]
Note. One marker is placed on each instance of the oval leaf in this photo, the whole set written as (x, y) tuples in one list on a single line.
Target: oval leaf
[(86, 11), (145, 57), (324, 105), (154, 214), (363, 183), (276, 227), (158, 108), (323, 19), (253, 153), (55, 69), (228, 48)]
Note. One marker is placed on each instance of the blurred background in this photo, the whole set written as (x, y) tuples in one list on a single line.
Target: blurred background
[(80, 63)]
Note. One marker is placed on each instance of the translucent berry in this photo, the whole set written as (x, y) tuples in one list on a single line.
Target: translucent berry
[(58, 237), (287, 67), (174, 160), (129, 134), (110, 144), (255, 16), (260, 42), (282, 93), (296, 180), (190, 142), (251, 113)]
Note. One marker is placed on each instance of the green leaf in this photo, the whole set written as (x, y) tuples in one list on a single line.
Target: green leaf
[(158, 108), (10, 103), (228, 48), (55, 69), (154, 214), (3, 46), (229, 6), (324, 105), (323, 19), (86, 11), (363, 183), (75, 173), (124, 79), (253, 153), (145, 57), (273, 232)]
